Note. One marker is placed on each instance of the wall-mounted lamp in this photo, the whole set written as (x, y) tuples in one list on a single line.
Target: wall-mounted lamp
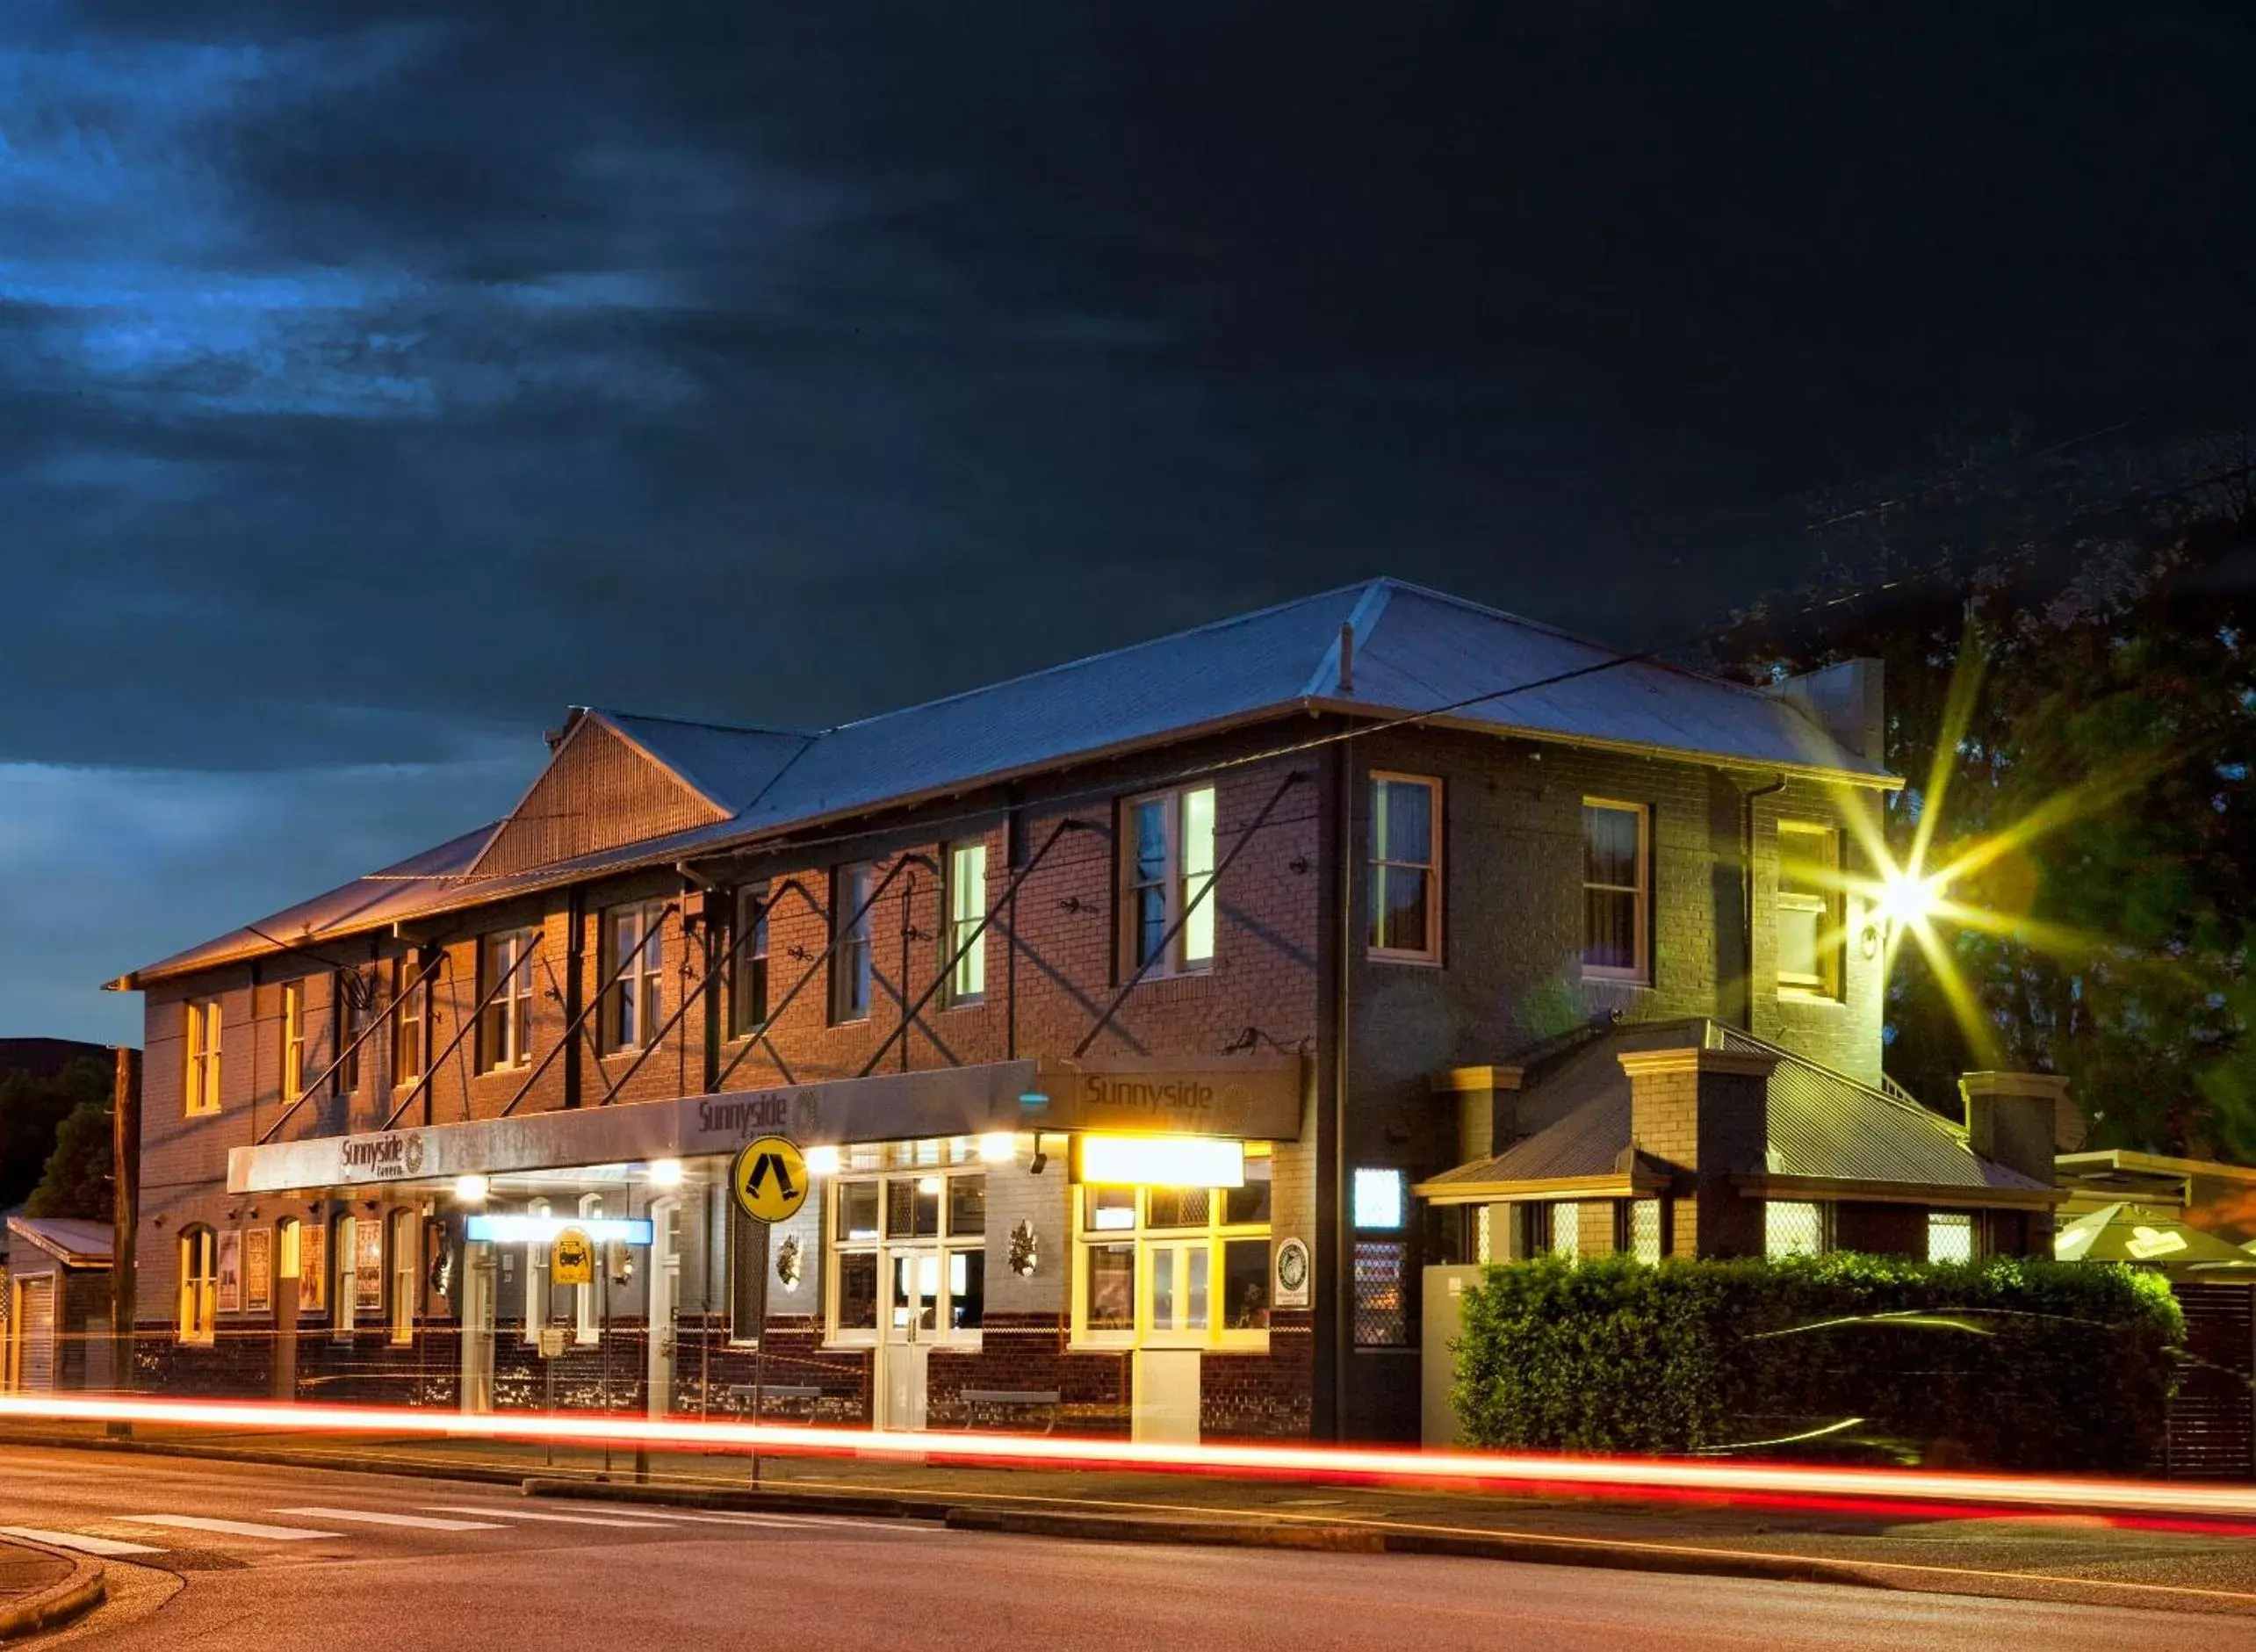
[(1040, 1162), (471, 1189), (666, 1172)]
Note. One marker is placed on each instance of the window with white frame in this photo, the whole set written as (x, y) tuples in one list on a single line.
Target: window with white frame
[(908, 1244), (967, 910), (1174, 1266), (294, 1040), (852, 968), (748, 981), (1167, 869), (1793, 1227), (1950, 1236), (410, 993), (536, 1280), (1405, 868), (200, 1284), (1617, 917), (200, 1056), (505, 1028), (633, 939), (1808, 908), (407, 1281)]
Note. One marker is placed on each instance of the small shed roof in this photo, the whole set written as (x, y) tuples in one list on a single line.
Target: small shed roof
[(70, 1240)]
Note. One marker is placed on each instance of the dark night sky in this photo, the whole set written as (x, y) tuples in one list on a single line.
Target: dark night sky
[(376, 380)]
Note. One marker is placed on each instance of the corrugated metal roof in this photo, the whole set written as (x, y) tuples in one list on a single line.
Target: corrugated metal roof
[(1415, 650), (78, 1243), (1821, 1124)]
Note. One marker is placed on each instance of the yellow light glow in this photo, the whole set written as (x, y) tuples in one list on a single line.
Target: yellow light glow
[(823, 1161), (927, 1184), (470, 1190), (1907, 899), (666, 1172), (1164, 1161), (998, 1147)]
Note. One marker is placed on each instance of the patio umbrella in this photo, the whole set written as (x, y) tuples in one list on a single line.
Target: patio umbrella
[(2133, 1233)]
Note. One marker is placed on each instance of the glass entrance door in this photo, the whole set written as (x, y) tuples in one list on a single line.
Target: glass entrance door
[(911, 1315)]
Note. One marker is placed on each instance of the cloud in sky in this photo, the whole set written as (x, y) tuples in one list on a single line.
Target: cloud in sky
[(377, 379)]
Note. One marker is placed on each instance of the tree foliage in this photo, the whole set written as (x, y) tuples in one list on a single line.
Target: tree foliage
[(2097, 615), (32, 1109), (2011, 1362), (78, 1179)]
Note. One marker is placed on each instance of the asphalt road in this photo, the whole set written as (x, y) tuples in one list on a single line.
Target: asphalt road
[(232, 1557)]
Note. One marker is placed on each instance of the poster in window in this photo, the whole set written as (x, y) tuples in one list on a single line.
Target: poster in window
[(231, 1271), (258, 1269), (368, 1268), (313, 1267)]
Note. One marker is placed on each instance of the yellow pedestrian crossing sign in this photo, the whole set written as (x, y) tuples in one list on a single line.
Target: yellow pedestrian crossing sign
[(770, 1179)]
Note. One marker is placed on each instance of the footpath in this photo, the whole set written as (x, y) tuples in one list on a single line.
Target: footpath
[(42, 1587), (2083, 1559)]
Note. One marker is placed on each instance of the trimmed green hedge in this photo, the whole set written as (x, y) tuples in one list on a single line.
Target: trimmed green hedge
[(2012, 1362)]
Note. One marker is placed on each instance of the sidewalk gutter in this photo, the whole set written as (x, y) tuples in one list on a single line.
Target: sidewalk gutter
[(58, 1603)]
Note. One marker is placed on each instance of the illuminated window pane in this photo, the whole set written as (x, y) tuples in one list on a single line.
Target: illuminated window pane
[(1382, 1297), (1250, 1204), (1645, 1230), (967, 1205), (1198, 872), (1111, 1292), (1567, 1231), (1949, 1236), (1111, 1209), (1613, 889), (966, 1289), (857, 1211), (967, 906), (1792, 1228), (1378, 1199)]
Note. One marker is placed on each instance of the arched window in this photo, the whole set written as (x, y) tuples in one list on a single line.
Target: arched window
[(343, 1246), (536, 1284), (199, 1284), (406, 1287)]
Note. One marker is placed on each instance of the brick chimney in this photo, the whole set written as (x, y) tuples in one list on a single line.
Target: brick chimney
[(1705, 1112), (2012, 1119), (1486, 1121)]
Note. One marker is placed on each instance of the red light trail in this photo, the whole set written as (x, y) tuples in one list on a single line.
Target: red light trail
[(1441, 1470)]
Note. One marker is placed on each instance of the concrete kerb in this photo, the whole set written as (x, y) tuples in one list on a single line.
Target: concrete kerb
[(58, 1603), (1251, 1532)]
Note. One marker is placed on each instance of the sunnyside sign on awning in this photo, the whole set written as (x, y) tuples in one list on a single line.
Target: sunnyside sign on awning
[(1257, 1098)]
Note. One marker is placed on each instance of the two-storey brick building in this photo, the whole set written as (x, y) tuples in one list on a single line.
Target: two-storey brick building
[(1120, 1009)]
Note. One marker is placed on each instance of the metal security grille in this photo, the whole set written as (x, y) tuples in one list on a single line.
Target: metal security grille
[(2212, 1418), (1381, 1308), (1645, 1230), (37, 1334), (1792, 1228)]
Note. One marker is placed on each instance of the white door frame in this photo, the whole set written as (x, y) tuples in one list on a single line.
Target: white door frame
[(904, 1352), (662, 1297), (477, 1269)]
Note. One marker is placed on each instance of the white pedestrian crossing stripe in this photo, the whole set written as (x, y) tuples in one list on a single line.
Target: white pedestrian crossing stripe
[(224, 1528), (108, 1546), (419, 1522), (529, 1514)]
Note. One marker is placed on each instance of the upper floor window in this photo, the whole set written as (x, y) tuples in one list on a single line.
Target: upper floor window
[(748, 994), (199, 1284), (1167, 869), (1405, 868), (505, 970), (633, 937), (1617, 900), (294, 1040), (1808, 907), (967, 908), (351, 990), (851, 965), (200, 1056), (410, 992)]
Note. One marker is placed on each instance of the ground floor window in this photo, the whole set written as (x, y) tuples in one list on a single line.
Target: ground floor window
[(1950, 1236), (1174, 1266), (1793, 1227), (405, 1280), (907, 1226), (1642, 1230), (199, 1284)]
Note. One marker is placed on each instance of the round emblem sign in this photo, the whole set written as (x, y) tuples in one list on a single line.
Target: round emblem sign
[(770, 1179)]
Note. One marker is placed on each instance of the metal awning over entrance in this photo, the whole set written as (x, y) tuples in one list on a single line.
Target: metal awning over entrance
[(1257, 1098)]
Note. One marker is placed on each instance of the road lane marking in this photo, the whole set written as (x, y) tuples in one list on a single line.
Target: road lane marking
[(225, 1528), (420, 1522), (84, 1545), (528, 1514)]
